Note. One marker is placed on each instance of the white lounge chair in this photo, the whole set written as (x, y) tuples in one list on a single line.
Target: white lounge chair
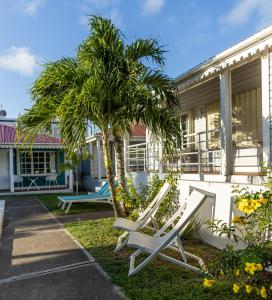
[(144, 219), (153, 245)]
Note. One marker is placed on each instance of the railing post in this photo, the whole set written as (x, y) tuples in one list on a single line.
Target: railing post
[(199, 154), (160, 150), (126, 154), (226, 123)]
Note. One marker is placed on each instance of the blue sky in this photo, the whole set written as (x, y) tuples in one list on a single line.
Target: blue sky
[(35, 31)]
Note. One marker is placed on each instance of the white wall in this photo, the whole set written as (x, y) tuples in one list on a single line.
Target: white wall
[(218, 204)]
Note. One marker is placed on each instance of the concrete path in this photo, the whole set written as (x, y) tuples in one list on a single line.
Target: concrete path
[(40, 260)]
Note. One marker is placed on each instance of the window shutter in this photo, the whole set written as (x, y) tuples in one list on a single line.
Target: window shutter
[(247, 118)]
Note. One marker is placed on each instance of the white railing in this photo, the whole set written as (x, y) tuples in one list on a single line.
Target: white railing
[(198, 153), (142, 157)]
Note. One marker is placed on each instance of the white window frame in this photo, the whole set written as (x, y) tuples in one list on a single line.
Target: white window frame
[(52, 163)]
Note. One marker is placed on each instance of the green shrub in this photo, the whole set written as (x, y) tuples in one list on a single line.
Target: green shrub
[(137, 202), (247, 269)]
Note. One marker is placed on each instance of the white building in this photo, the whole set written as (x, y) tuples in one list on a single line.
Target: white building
[(225, 117)]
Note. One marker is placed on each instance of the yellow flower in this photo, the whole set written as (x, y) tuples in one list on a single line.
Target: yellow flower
[(238, 220), (263, 292), (237, 272), (251, 268), (263, 200), (236, 288), (248, 288), (248, 206), (258, 267), (208, 282)]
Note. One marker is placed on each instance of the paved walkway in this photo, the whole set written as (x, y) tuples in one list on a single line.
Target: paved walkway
[(40, 260)]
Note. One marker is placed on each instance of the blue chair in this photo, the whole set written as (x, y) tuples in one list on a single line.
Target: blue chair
[(102, 196)]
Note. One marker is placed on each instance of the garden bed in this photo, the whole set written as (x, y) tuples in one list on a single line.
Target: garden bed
[(159, 280)]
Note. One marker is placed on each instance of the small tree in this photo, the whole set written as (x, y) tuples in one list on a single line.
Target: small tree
[(73, 162)]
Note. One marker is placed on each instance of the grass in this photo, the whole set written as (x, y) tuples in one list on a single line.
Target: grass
[(159, 280), (51, 202)]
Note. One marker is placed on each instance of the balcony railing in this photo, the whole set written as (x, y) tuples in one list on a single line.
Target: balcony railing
[(199, 153)]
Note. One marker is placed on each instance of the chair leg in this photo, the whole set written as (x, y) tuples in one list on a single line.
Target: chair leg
[(132, 269), (122, 240), (182, 252), (63, 205), (59, 204), (180, 263), (68, 208)]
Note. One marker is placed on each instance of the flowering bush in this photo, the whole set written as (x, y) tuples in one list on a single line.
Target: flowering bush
[(247, 269)]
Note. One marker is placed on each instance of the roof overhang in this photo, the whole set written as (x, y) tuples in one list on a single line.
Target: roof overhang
[(253, 47), (36, 146)]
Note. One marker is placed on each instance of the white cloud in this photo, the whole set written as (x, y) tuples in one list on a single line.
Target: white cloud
[(26, 7), (20, 60), (244, 10), (152, 6)]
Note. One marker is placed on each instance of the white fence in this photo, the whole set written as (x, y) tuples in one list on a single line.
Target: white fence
[(198, 153)]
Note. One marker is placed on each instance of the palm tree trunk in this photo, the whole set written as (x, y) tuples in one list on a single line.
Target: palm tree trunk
[(108, 168), (118, 136)]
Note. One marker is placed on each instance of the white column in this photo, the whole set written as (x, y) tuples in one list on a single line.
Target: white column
[(99, 162), (160, 145), (126, 143), (11, 170), (226, 123), (71, 180), (91, 158), (265, 108)]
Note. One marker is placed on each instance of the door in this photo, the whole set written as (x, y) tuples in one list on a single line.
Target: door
[(4, 170)]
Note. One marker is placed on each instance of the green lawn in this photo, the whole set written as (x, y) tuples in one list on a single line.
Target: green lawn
[(159, 280), (51, 202)]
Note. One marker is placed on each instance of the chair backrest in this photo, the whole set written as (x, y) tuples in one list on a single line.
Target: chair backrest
[(51, 177), (194, 202), (152, 208), (103, 188)]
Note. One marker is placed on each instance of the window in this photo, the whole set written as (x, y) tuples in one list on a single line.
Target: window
[(213, 119), (184, 124), (37, 162), (247, 118)]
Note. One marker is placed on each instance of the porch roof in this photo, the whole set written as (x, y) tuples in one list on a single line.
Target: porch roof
[(247, 50), (8, 139)]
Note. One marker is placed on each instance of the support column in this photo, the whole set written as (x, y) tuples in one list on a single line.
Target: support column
[(71, 179), (11, 170), (126, 143), (160, 145), (226, 123), (265, 108), (91, 158), (99, 162)]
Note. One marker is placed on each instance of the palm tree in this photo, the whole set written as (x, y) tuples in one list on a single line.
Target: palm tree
[(108, 84), (144, 93)]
